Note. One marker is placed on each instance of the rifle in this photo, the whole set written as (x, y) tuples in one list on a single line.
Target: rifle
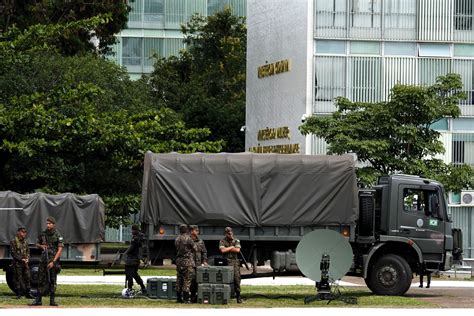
[(46, 255)]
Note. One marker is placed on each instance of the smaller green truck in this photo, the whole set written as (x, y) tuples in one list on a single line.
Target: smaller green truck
[(80, 220)]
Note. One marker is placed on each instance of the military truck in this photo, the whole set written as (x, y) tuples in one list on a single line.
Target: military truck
[(80, 220), (395, 229)]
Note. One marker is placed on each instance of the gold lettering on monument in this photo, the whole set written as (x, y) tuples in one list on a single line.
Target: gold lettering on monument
[(273, 133), (275, 68), (276, 149)]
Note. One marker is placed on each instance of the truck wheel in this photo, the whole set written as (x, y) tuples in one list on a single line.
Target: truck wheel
[(9, 277), (391, 275), (33, 282), (366, 218)]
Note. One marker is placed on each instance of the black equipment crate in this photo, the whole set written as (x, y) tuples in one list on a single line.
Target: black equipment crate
[(164, 288), (215, 274), (215, 294)]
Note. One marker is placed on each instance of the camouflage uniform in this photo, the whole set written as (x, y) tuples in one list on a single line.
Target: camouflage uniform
[(53, 241), (19, 250), (185, 249), (233, 260), (200, 258)]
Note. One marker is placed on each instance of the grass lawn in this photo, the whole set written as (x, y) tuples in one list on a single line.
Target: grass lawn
[(254, 296)]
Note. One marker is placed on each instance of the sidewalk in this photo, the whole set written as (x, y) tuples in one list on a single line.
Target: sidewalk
[(120, 280)]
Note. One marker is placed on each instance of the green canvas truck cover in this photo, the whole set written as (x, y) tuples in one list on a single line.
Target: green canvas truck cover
[(79, 219), (247, 189)]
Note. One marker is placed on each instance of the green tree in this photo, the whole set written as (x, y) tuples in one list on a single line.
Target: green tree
[(396, 136), (206, 82), (79, 124), (24, 14)]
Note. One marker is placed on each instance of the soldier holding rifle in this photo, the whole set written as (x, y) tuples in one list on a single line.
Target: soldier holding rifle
[(50, 242), (20, 253)]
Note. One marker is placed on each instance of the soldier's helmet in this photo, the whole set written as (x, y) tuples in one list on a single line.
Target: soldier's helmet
[(21, 228)]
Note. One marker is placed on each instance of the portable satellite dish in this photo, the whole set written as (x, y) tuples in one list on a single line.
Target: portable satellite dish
[(323, 255)]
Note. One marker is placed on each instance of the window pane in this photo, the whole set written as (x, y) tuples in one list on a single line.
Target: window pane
[(153, 10), (432, 68), (441, 125), (400, 14), (152, 46), (330, 13), (466, 50), (463, 15), (330, 78), (365, 76), (131, 51), (441, 50), (330, 47), (371, 48), (366, 13), (397, 49)]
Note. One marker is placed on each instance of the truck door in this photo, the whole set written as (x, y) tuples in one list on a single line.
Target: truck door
[(420, 219)]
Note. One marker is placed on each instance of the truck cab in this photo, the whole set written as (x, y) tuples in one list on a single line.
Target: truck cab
[(404, 218)]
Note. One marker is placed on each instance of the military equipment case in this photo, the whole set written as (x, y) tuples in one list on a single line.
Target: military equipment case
[(215, 274), (215, 294), (163, 288)]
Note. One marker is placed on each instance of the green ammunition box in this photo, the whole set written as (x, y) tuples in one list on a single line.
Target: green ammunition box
[(204, 293), (164, 288), (215, 294), (215, 274)]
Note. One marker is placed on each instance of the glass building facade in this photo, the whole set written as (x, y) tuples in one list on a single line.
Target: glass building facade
[(363, 47), (154, 29)]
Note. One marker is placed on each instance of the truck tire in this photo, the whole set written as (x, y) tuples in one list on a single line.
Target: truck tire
[(366, 218), (391, 275), (10, 279), (34, 278)]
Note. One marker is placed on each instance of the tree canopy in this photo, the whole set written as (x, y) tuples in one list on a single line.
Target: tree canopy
[(79, 124), (206, 82), (24, 14), (396, 136)]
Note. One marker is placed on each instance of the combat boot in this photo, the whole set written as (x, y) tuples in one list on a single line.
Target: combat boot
[(52, 301), (187, 298), (238, 298), (37, 301), (179, 297), (28, 294)]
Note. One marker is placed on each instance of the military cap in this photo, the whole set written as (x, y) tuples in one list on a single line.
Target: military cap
[(135, 227), (51, 219), (228, 229), (183, 228), (21, 227)]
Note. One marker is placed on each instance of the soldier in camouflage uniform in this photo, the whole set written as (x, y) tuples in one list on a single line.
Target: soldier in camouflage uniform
[(185, 249), (230, 248), (20, 253), (132, 261), (200, 258), (50, 242)]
